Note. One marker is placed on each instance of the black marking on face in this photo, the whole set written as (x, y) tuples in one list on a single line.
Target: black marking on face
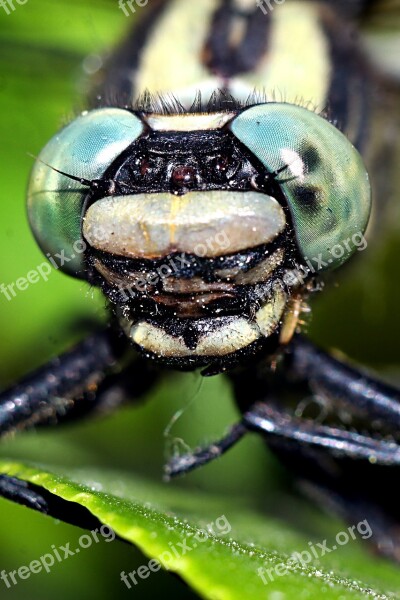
[(177, 162), (213, 364), (190, 335), (187, 266), (152, 299)]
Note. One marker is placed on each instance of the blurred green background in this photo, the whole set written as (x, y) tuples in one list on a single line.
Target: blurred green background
[(43, 45)]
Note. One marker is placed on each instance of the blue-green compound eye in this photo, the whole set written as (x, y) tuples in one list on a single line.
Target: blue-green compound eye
[(85, 148), (325, 183)]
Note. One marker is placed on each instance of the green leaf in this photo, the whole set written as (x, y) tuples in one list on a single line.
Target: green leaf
[(216, 546)]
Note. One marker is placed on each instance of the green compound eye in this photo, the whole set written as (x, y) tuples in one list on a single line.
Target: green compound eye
[(325, 183), (85, 148)]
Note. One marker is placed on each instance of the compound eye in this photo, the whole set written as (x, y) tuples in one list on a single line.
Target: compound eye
[(85, 148), (325, 181)]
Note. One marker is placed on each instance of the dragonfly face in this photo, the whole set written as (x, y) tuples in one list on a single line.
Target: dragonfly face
[(196, 225)]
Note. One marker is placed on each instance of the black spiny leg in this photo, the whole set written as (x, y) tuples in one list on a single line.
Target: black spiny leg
[(304, 371), (354, 476), (349, 461), (95, 376)]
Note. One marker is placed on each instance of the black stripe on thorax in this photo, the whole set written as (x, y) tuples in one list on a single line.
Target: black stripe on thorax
[(226, 58)]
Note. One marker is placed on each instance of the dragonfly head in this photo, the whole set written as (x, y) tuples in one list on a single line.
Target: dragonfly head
[(203, 230)]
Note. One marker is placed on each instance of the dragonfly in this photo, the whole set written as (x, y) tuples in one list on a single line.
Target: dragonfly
[(208, 189)]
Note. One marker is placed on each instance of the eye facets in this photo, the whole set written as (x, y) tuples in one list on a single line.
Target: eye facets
[(325, 181), (84, 148)]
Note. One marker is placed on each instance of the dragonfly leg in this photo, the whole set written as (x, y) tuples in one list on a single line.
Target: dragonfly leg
[(347, 456), (86, 379), (349, 472)]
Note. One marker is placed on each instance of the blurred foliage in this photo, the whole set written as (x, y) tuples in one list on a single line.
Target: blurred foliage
[(43, 45)]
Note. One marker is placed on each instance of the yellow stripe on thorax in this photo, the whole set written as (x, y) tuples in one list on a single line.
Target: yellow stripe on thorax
[(171, 60), (297, 65)]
